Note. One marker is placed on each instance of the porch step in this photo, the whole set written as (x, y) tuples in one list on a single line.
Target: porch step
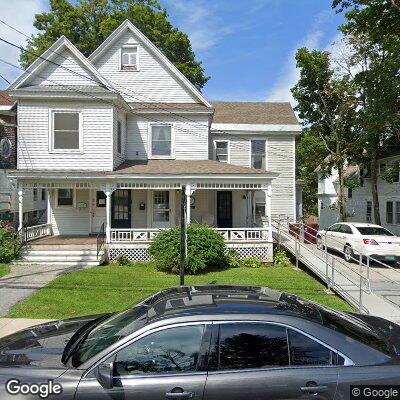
[(36, 256), (28, 264)]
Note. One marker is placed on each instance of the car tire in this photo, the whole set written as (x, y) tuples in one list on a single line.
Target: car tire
[(320, 245), (348, 253)]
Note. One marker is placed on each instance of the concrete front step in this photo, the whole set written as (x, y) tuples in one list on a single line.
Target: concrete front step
[(36, 252), (55, 263)]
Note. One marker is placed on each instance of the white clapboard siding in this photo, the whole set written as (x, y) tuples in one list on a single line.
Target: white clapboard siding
[(191, 140), (239, 148), (33, 137), (71, 220), (71, 72), (281, 159), (152, 83)]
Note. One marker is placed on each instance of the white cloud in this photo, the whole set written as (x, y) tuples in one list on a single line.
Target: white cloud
[(19, 14), (290, 74), (202, 21)]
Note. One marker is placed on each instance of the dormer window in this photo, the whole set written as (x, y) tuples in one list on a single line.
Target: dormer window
[(129, 58)]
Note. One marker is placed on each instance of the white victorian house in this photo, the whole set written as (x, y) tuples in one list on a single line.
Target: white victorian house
[(113, 137)]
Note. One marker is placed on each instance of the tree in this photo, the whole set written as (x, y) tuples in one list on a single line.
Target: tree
[(88, 23), (326, 105), (372, 32)]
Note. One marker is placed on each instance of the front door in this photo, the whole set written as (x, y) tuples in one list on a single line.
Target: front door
[(162, 209), (224, 209), (121, 209)]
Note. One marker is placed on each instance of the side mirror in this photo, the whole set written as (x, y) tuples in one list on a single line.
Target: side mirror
[(104, 375)]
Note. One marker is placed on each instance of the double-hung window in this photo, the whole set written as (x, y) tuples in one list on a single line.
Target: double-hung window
[(161, 145), (221, 148), (397, 212), (259, 200), (389, 212), (369, 211), (258, 154), (129, 58), (66, 131)]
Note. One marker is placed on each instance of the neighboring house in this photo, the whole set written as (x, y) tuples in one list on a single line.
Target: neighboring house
[(35, 203), (113, 137), (359, 204)]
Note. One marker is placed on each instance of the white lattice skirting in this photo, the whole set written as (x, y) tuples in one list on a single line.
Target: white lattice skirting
[(140, 252)]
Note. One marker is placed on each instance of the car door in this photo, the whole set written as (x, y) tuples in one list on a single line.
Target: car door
[(165, 364), (268, 361), (331, 236)]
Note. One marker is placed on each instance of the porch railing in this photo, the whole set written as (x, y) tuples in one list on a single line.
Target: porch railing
[(229, 234), (30, 233)]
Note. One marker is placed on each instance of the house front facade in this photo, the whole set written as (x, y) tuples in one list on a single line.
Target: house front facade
[(114, 139), (35, 200), (359, 203)]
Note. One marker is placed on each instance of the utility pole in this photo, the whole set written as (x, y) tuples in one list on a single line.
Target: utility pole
[(183, 235)]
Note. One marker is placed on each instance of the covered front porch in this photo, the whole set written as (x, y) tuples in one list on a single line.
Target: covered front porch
[(129, 211)]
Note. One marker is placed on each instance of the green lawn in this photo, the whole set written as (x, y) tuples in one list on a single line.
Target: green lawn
[(115, 288), (4, 269)]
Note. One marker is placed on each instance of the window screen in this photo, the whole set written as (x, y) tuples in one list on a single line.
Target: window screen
[(248, 346), (258, 154), (161, 140), (66, 130)]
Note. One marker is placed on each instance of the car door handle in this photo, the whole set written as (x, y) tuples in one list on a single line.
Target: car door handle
[(179, 395), (314, 389)]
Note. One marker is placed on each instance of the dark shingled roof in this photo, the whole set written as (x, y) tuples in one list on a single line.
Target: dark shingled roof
[(182, 167), (5, 99), (227, 112)]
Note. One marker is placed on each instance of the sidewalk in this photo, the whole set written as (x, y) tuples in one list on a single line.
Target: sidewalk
[(24, 280), (11, 325)]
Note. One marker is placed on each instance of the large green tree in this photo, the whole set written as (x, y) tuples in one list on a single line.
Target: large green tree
[(372, 31), (87, 23), (326, 106)]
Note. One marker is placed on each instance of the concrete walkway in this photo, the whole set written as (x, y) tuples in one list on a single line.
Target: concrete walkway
[(24, 280), (10, 325)]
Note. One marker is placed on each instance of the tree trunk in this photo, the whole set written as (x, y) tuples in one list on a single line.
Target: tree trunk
[(341, 197), (374, 187)]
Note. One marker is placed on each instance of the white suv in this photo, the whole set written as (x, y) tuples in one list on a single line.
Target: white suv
[(353, 239)]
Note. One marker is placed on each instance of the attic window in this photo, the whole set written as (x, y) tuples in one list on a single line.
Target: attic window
[(129, 58)]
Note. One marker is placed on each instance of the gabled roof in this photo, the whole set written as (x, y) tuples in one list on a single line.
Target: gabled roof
[(158, 53), (50, 54), (229, 112)]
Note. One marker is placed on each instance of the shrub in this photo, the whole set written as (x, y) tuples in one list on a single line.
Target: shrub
[(123, 260), (206, 248), (251, 262), (232, 259), (281, 259), (10, 245)]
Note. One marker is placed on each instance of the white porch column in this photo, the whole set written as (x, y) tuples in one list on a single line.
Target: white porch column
[(20, 209), (188, 193), (108, 194), (49, 198), (268, 206)]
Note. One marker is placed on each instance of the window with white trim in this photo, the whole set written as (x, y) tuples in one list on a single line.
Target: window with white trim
[(389, 212), (129, 58), (369, 211), (66, 131), (35, 196), (221, 148), (258, 154), (397, 212), (259, 200), (160, 141), (65, 197)]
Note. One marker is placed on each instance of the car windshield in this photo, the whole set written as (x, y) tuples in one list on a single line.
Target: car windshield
[(109, 332), (373, 231)]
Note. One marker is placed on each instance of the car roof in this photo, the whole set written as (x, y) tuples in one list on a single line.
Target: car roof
[(358, 224), (226, 299)]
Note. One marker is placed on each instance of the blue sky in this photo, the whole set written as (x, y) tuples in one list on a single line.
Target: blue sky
[(247, 47)]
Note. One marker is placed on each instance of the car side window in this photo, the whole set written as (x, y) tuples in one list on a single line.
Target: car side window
[(334, 228), (252, 345), (171, 350), (346, 229), (306, 351)]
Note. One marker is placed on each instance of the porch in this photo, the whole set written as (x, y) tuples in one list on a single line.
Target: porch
[(130, 210)]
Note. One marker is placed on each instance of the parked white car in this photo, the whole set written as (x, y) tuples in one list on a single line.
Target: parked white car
[(354, 238)]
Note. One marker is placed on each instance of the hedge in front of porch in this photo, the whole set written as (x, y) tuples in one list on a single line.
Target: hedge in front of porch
[(114, 288)]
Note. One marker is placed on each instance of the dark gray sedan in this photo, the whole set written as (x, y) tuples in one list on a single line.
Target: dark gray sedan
[(203, 342)]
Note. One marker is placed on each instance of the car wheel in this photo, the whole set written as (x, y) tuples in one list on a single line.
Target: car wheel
[(320, 245), (348, 253)]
